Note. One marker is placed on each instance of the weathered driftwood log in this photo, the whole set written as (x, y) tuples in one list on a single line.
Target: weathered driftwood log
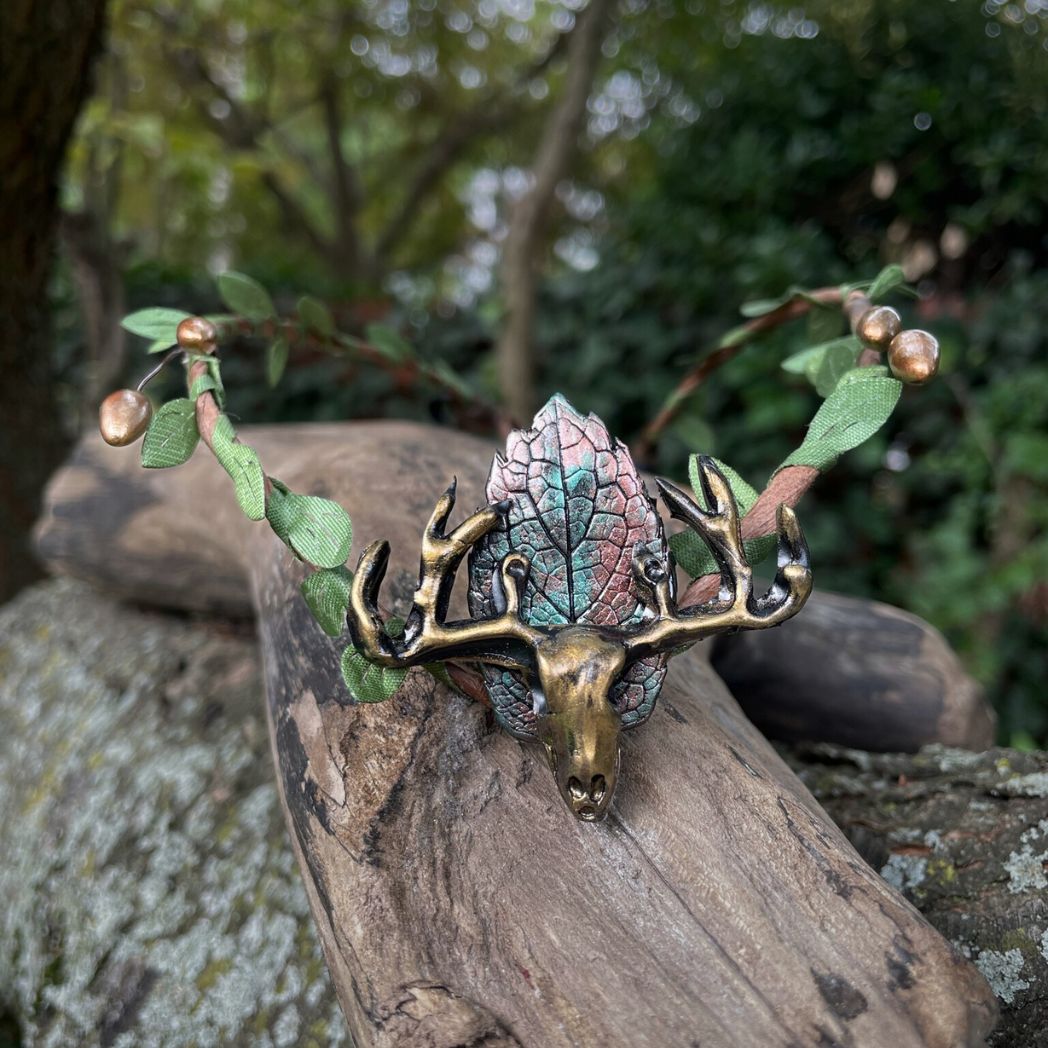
[(858, 673), (965, 837), (457, 901)]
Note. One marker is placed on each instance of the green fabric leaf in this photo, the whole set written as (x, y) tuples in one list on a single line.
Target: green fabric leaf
[(315, 316), (389, 343), (760, 307), (367, 682), (809, 361), (316, 529), (745, 494), (172, 435), (276, 360), (824, 325), (242, 465), (694, 556), (836, 361), (214, 369), (202, 384), (327, 594), (158, 324), (691, 551), (887, 280), (851, 414), (439, 672), (245, 296), (734, 337)]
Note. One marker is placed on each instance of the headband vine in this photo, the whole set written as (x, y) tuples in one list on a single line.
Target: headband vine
[(860, 392)]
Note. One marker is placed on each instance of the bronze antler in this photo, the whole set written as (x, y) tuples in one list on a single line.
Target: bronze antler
[(503, 640), (735, 607)]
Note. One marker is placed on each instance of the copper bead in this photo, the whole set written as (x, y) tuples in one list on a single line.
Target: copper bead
[(913, 356), (124, 416), (197, 334), (878, 326)]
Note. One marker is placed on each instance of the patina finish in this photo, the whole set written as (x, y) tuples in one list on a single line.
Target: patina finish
[(572, 593)]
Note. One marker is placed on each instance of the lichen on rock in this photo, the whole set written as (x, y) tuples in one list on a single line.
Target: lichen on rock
[(150, 892)]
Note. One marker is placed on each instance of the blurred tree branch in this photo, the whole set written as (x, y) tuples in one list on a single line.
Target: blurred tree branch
[(246, 126)]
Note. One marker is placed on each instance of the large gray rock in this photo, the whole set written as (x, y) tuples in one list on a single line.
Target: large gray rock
[(149, 892)]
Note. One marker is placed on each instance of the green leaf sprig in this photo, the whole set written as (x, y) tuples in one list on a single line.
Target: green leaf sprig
[(859, 400), (316, 530)]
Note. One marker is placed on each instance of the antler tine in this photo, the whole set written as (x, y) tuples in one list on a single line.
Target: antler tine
[(441, 553), (720, 529), (366, 627), (427, 637), (719, 526)]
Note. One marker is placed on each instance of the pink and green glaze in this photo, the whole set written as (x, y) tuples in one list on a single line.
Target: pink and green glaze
[(579, 511)]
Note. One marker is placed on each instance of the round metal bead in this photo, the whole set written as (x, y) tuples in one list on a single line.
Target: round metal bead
[(878, 326), (913, 356), (197, 335), (124, 416)]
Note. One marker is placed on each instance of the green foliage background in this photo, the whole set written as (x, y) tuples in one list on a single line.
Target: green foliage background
[(768, 146)]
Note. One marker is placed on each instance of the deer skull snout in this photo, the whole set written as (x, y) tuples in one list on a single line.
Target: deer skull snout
[(576, 723)]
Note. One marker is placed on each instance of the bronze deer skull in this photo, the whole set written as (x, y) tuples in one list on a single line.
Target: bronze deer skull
[(572, 593)]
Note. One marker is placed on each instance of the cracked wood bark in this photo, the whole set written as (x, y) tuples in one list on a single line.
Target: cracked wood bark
[(457, 901)]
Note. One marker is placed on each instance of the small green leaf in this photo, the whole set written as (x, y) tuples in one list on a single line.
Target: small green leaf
[(694, 556), (809, 361), (172, 435), (838, 359), (276, 360), (327, 593), (804, 362), (889, 278), (760, 307), (202, 384), (389, 343), (368, 682), (214, 369), (443, 371), (315, 316), (316, 529), (862, 402), (734, 337), (745, 494), (245, 296), (439, 672), (158, 324), (241, 463), (824, 325)]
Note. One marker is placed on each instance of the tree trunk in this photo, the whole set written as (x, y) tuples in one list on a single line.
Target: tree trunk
[(457, 900), (97, 265), (530, 216), (45, 55)]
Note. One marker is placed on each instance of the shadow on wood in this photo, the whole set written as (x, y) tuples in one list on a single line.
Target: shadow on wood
[(458, 901)]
